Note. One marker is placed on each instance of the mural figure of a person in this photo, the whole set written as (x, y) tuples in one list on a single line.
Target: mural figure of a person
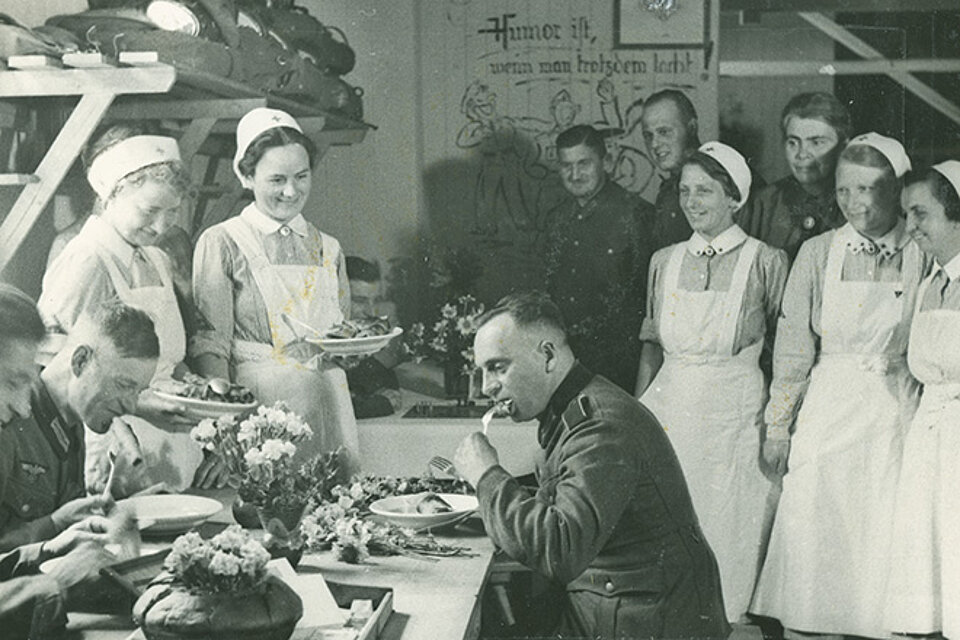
[(500, 192)]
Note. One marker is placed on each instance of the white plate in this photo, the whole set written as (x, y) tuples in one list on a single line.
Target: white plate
[(170, 513), (355, 346), (206, 408), (402, 510)]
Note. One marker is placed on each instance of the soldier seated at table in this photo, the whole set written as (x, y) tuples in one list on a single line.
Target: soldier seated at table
[(110, 356), (611, 521), (33, 606)]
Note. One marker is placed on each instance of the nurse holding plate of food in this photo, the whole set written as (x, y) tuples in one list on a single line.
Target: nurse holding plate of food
[(261, 275)]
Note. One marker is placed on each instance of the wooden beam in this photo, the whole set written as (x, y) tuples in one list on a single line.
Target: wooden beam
[(846, 6), (60, 156), (193, 136), (756, 68), (69, 82), (861, 48), (162, 109)]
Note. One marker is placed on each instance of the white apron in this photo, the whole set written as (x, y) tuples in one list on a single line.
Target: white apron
[(710, 403), (169, 454), (924, 590), (828, 560), (317, 390)]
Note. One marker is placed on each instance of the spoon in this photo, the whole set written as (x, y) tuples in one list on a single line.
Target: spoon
[(220, 386)]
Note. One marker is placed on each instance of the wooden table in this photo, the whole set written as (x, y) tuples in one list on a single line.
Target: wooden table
[(432, 599)]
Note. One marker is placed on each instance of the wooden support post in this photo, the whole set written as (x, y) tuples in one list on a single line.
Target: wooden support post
[(193, 136), (861, 48), (60, 156)]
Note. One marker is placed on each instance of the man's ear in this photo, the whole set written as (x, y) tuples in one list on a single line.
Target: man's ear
[(82, 355), (549, 352)]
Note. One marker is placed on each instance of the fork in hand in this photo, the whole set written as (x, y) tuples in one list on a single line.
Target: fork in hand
[(443, 465)]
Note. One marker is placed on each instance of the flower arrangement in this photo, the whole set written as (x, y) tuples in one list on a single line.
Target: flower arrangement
[(449, 340), (231, 561), (339, 525), (258, 453)]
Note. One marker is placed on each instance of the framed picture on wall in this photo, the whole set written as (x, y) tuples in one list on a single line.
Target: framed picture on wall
[(661, 24)]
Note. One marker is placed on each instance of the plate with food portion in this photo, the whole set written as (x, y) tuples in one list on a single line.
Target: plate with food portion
[(206, 398), (426, 510), (362, 337), (170, 513)]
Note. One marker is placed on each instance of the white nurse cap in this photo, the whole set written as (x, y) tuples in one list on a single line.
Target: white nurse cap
[(734, 164), (950, 169), (125, 157), (253, 124), (891, 149)]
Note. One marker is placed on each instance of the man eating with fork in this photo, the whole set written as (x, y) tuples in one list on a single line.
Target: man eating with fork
[(611, 521)]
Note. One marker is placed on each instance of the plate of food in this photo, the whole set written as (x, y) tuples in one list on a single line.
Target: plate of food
[(206, 398), (426, 510), (169, 513), (360, 337)]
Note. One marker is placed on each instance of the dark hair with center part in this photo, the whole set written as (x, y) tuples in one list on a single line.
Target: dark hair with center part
[(817, 105), (275, 137), (943, 191), (716, 171)]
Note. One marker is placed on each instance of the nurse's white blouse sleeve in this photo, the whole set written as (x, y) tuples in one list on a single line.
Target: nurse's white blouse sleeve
[(650, 330), (213, 294), (73, 285), (797, 340)]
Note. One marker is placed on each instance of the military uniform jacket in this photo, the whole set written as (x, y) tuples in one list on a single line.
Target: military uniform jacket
[(31, 606), (611, 518), (41, 468)]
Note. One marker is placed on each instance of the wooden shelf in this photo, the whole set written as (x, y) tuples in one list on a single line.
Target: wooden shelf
[(204, 105)]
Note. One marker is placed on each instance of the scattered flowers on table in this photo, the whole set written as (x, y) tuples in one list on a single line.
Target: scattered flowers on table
[(230, 561), (449, 340), (258, 452), (339, 525)]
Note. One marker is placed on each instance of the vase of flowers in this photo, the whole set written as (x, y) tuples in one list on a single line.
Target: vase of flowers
[(449, 341), (258, 452), (217, 588)]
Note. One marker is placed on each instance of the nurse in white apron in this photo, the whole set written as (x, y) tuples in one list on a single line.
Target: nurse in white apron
[(711, 303), (839, 404), (267, 261), (140, 184), (923, 595)]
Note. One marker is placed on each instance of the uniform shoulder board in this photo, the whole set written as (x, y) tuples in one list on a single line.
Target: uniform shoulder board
[(577, 411)]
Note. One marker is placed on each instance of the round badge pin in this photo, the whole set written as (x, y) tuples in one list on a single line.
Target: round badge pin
[(809, 223)]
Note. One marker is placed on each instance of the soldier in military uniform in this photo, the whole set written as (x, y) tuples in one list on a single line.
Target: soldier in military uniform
[(670, 132), (787, 213), (33, 605), (612, 519), (109, 359), (596, 258)]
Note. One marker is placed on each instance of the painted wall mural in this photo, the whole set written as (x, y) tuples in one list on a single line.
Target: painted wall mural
[(500, 80)]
